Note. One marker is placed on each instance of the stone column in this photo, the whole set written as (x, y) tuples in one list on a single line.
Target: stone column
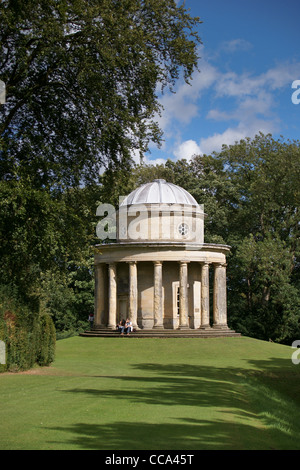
[(183, 295), (220, 297), (99, 312), (205, 296), (133, 293), (158, 295), (112, 296)]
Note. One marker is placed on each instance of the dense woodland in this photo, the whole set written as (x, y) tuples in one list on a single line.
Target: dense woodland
[(81, 80)]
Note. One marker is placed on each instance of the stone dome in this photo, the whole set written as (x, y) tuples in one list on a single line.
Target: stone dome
[(159, 192)]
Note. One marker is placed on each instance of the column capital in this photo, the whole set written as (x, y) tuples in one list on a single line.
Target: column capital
[(157, 262)]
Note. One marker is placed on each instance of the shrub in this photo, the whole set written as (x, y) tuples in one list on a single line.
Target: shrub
[(46, 352), (29, 337)]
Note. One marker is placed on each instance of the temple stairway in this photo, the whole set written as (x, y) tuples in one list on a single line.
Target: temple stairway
[(162, 333)]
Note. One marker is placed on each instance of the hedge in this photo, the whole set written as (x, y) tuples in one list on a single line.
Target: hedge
[(29, 338)]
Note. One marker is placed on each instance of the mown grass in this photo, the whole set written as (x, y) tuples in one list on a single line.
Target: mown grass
[(155, 394)]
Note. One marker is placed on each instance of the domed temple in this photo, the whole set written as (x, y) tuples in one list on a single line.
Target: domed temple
[(157, 272)]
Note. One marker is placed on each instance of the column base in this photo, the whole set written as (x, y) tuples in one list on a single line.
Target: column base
[(205, 327), (183, 327), (221, 327), (158, 327)]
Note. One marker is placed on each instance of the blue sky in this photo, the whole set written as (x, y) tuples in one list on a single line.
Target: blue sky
[(249, 59)]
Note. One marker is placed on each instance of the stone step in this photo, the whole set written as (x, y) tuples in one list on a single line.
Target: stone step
[(162, 333)]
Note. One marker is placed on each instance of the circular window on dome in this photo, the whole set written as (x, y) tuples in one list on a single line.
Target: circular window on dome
[(183, 229)]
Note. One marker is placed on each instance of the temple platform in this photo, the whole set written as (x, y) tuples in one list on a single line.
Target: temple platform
[(163, 333)]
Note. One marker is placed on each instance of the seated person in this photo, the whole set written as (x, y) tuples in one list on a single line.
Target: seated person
[(121, 326), (128, 326)]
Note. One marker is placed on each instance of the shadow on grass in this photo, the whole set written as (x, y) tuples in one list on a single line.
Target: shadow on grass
[(254, 408)]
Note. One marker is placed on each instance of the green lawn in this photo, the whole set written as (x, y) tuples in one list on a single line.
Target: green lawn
[(155, 394)]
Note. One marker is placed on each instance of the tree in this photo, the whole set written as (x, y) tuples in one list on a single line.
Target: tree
[(81, 80), (263, 230), (43, 235)]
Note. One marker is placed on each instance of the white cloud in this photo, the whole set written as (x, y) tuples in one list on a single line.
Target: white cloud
[(187, 149), (184, 105), (253, 104), (244, 104), (146, 159), (247, 109), (235, 134), (282, 75), (235, 45), (215, 142), (235, 85), (155, 161)]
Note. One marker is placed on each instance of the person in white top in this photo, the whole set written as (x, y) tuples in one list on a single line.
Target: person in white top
[(128, 326)]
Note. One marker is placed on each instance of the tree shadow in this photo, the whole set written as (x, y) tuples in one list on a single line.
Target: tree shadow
[(191, 434), (242, 397)]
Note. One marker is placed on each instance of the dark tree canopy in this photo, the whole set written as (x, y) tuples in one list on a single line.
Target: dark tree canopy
[(82, 78)]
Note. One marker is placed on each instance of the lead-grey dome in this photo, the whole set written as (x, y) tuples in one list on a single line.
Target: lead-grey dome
[(159, 192)]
